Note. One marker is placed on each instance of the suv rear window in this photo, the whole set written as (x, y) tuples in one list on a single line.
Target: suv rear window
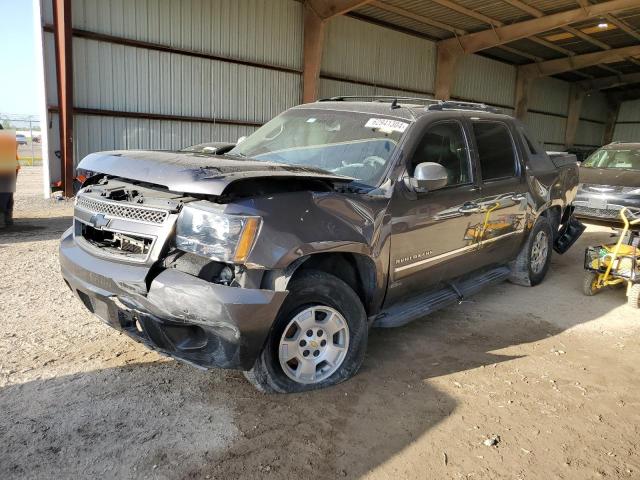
[(495, 150)]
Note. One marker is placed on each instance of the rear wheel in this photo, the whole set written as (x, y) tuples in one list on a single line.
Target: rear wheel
[(633, 297), (532, 263), (590, 284), (319, 338)]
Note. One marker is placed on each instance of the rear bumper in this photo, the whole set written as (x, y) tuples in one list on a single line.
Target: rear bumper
[(190, 319)]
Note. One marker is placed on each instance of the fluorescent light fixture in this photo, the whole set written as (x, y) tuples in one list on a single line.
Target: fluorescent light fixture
[(603, 25)]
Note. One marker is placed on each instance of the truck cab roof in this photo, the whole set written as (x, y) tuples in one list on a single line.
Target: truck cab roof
[(404, 108)]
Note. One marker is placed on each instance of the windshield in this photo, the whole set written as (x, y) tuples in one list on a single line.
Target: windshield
[(356, 145), (610, 158)]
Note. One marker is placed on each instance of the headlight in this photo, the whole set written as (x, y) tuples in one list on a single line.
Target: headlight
[(204, 230)]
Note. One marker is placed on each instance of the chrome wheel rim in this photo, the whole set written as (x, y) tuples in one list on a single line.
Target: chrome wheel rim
[(314, 344), (539, 252)]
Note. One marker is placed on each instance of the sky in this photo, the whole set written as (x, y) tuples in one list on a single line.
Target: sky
[(18, 82)]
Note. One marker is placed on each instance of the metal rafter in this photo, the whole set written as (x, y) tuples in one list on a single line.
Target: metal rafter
[(496, 36), (574, 31), (610, 82), (562, 65), (418, 18), (442, 26), (326, 9), (623, 26)]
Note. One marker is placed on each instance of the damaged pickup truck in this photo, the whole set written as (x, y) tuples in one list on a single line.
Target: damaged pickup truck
[(276, 256)]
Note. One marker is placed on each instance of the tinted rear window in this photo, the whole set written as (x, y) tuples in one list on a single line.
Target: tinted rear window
[(495, 150)]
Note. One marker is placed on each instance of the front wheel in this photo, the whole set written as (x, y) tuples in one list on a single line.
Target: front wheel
[(319, 338), (532, 263)]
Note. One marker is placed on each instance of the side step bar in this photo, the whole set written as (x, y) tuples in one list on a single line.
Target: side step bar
[(417, 307)]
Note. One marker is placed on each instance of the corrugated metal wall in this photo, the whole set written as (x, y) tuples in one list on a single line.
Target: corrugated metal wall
[(481, 79), (256, 30), (547, 117), (593, 118), (51, 94), (120, 78), (548, 129), (628, 126), (549, 95), (359, 58), (354, 50), (629, 111)]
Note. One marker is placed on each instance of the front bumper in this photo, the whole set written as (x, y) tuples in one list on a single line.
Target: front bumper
[(185, 317), (603, 209)]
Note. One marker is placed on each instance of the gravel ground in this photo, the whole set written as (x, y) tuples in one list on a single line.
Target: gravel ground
[(547, 373)]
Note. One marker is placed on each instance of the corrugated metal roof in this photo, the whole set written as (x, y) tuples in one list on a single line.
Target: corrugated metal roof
[(503, 12), (439, 13), (495, 9), (376, 14)]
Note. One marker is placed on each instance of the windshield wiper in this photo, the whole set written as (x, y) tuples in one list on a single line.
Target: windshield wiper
[(239, 155)]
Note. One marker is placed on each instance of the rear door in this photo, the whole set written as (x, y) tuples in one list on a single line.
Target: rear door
[(503, 190)]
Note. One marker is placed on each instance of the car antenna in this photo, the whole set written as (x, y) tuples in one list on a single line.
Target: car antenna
[(394, 104)]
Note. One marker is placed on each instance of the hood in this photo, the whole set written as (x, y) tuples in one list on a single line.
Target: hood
[(189, 172), (610, 176)]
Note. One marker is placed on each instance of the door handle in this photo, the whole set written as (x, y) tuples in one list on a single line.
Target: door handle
[(470, 207)]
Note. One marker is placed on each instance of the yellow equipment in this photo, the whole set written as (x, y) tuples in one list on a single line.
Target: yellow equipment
[(618, 263)]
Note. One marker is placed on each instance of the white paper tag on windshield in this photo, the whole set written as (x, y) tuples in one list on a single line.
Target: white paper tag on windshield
[(387, 125)]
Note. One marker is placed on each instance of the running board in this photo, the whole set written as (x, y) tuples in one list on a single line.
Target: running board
[(455, 292)]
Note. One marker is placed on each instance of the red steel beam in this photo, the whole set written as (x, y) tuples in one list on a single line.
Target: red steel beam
[(64, 75)]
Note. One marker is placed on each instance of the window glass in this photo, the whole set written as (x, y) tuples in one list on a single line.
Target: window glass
[(623, 158), (495, 150), (352, 144), (444, 144)]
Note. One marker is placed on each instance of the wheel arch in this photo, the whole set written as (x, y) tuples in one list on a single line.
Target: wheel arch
[(355, 269)]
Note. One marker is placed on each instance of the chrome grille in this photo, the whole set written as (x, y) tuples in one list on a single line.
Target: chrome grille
[(129, 212), (597, 212)]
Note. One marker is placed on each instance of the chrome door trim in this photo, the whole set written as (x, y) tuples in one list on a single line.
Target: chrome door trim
[(455, 252)]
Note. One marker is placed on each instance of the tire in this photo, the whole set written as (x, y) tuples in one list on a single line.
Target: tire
[(529, 268), (316, 300), (588, 284), (633, 298)]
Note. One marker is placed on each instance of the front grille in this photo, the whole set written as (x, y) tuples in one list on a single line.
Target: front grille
[(597, 212), (129, 212)]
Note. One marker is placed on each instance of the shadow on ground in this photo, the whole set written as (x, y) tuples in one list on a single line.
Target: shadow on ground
[(122, 421), (35, 229), (166, 420)]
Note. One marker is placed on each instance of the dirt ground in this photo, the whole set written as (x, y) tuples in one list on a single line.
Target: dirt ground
[(552, 374)]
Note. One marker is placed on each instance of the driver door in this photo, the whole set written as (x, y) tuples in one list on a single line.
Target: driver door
[(432, 238)]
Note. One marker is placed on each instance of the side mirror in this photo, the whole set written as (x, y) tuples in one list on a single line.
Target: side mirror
[(429, 176)]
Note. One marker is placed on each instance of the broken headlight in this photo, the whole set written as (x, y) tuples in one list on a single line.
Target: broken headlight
[(204, 230)]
